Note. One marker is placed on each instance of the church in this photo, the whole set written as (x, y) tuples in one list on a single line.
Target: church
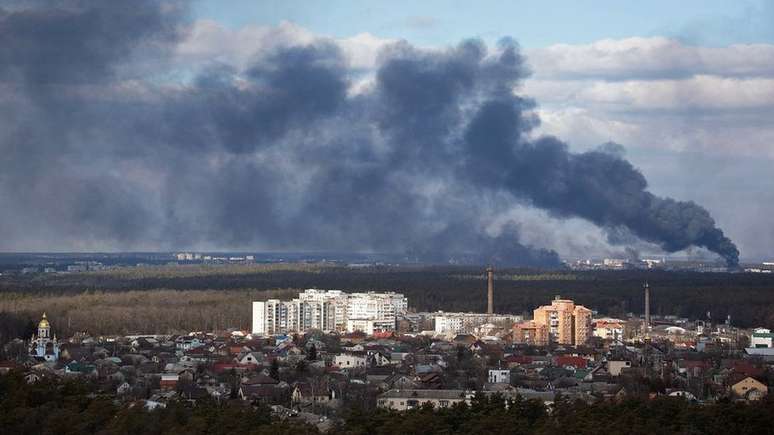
[(44, 347)]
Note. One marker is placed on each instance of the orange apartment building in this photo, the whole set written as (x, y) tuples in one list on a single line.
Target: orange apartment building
[(530, 333), (566, 323)]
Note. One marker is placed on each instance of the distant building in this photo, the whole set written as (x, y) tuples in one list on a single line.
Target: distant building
[(614, 263), (44, 346), (499, 376), (467, 323), (330, 310), (609, 329), (761, 337), (402, 400), (567, 323)]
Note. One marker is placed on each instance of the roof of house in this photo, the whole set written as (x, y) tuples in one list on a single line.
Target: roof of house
[(261, 379), (574, 361)]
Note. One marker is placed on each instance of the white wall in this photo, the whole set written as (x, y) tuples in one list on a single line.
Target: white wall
[(259, 317), (500, 376)]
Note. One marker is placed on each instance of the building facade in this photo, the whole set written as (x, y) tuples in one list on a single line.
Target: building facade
[(499, 376), (531, 333), (609, 329), (329, 310), (567, 323)]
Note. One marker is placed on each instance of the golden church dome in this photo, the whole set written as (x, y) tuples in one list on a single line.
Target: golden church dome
[(43, 322)]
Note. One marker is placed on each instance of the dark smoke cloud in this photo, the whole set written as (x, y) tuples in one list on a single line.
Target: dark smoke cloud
[(100, 147)]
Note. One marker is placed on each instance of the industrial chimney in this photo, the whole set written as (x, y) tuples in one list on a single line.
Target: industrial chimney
[(647, 307), (490, 290)]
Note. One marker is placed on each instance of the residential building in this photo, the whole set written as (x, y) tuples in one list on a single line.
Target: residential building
[(530, 332), (750, 388), (616, 367), (466, 323), (567, 323), (499, 376), (402, 400), (349, 361), (609, 329), (330, 310), (761, 337)]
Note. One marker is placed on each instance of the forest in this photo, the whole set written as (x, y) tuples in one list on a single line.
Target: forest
[(171, 299), (74, 406)]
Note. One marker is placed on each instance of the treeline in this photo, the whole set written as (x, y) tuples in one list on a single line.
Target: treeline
[(664, 415), (76, 407), (747, 298), (159, 311)]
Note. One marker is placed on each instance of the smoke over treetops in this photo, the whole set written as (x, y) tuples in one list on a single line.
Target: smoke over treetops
[(107, 143)]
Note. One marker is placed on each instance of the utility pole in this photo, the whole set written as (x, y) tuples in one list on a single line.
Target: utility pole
[(490, 290)]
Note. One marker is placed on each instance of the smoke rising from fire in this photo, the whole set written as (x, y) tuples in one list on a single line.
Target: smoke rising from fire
[(106, 144)]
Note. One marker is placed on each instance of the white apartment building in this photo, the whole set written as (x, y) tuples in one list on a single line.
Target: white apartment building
[(329, 310), (469, 323)]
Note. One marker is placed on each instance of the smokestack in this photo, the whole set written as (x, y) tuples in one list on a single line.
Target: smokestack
[(647, 307), (490, 290)]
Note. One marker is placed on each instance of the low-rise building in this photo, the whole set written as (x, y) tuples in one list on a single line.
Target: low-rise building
[(403, 400), (499, 376), (609, 329), (761, 338), (616, 367), (749, 388), (349, 361)]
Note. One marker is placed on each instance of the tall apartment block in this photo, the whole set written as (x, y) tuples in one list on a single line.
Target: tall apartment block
[(329, 310), (566, 322)]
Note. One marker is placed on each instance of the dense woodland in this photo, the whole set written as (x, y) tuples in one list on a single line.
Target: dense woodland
[(75, 406), (182, 298)]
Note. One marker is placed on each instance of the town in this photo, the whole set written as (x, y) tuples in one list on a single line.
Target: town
[(313, 357)]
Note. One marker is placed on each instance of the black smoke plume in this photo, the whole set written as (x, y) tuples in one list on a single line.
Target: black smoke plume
[(106, 143)]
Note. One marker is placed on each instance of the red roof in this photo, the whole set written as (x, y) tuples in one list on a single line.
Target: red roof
[(691, 364), (518, 359), (746, 369), (574, 361)]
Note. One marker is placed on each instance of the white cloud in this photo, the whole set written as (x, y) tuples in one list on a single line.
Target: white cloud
[(583, 129), (656, 57), (657, 93), (698, 92), (208, 41)]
